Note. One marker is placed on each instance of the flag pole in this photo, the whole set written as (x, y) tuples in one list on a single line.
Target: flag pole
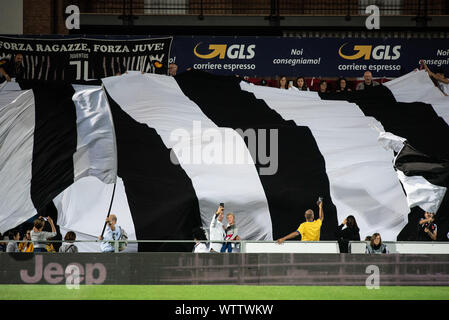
[(109, 211)]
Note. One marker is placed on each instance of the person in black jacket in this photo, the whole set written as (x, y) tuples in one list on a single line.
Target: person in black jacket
[(350, 233), (12, 69), (427, 229)]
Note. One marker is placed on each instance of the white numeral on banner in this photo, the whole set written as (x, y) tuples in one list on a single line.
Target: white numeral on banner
[(79, 69)]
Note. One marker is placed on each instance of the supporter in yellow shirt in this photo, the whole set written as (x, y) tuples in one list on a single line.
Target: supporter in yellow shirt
[(309, 230), (27, 245)]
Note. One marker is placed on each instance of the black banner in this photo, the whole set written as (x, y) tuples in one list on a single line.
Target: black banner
[(82, 59), (242, 269), (168, 308)]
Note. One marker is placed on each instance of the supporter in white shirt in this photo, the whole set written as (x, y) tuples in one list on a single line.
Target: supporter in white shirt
[(216, 230), (40, 237), (14, 236), (112, 232)]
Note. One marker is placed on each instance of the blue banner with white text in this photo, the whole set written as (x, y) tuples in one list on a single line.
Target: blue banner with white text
[(318, 57)]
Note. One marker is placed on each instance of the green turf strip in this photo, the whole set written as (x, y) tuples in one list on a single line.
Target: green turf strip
[(147, 292)]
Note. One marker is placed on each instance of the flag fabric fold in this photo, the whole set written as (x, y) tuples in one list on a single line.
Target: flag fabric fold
[(424, 178), (47, 144)]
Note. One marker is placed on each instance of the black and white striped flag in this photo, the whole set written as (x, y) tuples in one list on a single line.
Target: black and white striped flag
[(51, 136), (187, 143), (310, 146)]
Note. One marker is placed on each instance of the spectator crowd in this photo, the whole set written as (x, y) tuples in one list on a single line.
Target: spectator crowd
[(222, 235), (300, 83), (36, 239), (225, 238), (13, 68)]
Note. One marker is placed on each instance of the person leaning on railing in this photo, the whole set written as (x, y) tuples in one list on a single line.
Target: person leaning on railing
[(231, 233), (376, 246), (309, 230), (14, 236), (68, 246)]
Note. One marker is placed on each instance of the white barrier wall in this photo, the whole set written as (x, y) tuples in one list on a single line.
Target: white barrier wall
[(291, 247), (405, 247), (401, 247)]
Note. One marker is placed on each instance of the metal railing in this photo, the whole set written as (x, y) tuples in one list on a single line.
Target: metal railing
[(129, 242), (420, 8), (411, 247)]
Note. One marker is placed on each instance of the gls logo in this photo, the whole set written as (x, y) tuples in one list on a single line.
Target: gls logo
[(234, 51), (378, 52)]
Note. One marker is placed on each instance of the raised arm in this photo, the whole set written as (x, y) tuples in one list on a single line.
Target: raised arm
[(213, 222), (422, 221), (339, 231), (320, 205), (289, 236), (52, 224)]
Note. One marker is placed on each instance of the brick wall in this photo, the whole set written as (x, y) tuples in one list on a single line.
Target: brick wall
[(434, 7), (37, 17), (109, 6)]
